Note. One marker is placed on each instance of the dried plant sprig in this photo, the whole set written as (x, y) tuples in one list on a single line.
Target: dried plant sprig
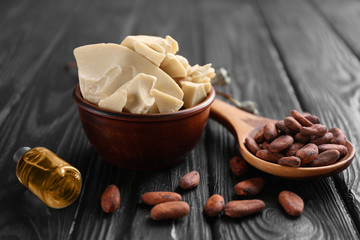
[(222, 77), (248, 106)]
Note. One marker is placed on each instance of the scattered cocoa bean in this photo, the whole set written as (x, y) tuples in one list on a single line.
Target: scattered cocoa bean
[(281, 143), (265, 145), (252, 145), (341, 148), (259, 137), (291, 123), (190, 180), (302, 138), (110, 199), (308, 153), (315, 130), (170, 210), (301, 119), (242, 208), (238, 166), (153, 198), (270, 132), (326, 158), (214, 205), (339, 136), (327, 138), (292, 203), (268, 156), (280, 125), (290, 161), (250, 186), (312, 118), (291, 151)]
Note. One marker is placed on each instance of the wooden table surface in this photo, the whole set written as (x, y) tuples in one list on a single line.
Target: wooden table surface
[(282, 54)]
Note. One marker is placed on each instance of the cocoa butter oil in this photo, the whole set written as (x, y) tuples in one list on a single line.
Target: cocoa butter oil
[(51, 179)]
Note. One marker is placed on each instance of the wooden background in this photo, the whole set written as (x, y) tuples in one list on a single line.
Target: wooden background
[(283, 54)]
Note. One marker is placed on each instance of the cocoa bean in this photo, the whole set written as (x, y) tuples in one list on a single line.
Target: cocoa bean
[(292, 123), (153, 198), (268, 156), (242, 208), (292, 203), (281, 143), (190, 180), (250, 187), (301, 119), (280, 125), (238, 166), (315, 130), (110, 199), (214, 205), (291, 151), (326, 158), (312, 118), (259, 137), (170, 210), (327, 138), (265, 145), (270, 132), (302, 138), (251, 145), (308, 153), (290, 161), (341, 148), (339, 136)]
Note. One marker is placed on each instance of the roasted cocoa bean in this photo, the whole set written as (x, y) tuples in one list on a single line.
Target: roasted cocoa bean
[(280, 125), (327, 138), (292, 123), (214, 205), (291, 151), (265, 145), (153, 198), (170, 210), (312, 118), (308, 153), (250, 187), (341, 148), (292, 203), (339, 136), (238, 166), (326, 158), (290, 161), (315, 130), (302, 138), (268, 156), (281, 143), (110, 199), (252, 145), (301, 119), (190, 180), (259, 137), (242, 208), (270, 132)]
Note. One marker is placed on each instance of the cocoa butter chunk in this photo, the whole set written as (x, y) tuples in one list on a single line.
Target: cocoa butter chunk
[(341, 148), (292, 123), (308, 153), (242, 208), (270, 132), (268, 156), (250, 187), (251, 145), (327, 138), (214, 205), (338, 136), (301, 119), (326, 158), (292, 203), (290, 161), (170, 210), (153, 198), (315, 130), (281, 143)]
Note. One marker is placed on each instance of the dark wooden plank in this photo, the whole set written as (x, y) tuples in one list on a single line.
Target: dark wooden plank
[(324, 72), (239, 41)]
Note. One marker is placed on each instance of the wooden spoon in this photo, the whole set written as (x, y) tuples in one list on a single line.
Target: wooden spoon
[(243, 124)]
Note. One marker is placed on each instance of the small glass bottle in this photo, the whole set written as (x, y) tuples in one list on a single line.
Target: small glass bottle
[(51, 179)]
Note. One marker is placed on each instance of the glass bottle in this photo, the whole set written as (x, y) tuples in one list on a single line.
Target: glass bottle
[(51, 179)]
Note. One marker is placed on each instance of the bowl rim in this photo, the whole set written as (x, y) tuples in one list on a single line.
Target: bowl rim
[(92, 108)]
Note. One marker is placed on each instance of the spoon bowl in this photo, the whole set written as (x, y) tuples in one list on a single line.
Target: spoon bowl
[(243, 124)]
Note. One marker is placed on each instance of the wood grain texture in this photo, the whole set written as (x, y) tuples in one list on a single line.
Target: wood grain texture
[(325, 75)]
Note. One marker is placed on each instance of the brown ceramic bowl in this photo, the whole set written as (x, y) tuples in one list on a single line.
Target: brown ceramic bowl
[(143, 141)]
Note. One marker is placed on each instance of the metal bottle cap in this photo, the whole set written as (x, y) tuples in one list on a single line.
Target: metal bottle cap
[(19, 153)]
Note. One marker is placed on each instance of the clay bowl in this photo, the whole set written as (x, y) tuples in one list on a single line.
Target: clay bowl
[(143, 141)]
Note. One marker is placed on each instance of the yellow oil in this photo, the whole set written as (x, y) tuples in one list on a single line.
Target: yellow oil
[(51, 179)]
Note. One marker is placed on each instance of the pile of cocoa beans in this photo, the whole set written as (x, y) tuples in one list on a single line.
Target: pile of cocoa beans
[(298, 140)]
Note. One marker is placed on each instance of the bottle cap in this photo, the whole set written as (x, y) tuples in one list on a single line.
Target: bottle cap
[(19, 153)]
